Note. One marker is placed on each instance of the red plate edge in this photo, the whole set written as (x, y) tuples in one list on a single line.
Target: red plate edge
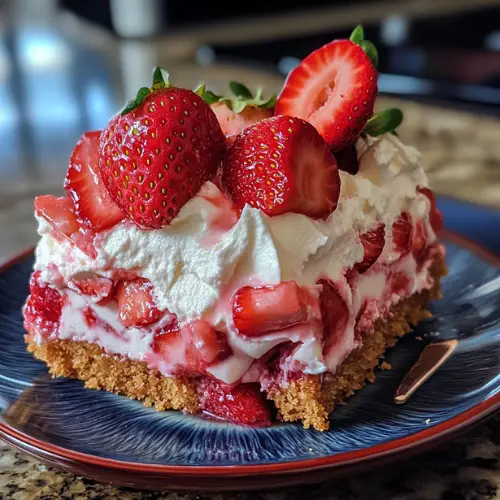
[(411, 444)]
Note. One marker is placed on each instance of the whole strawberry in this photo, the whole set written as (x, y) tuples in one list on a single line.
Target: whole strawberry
[(159, 151), (281, 165), (239, 111)]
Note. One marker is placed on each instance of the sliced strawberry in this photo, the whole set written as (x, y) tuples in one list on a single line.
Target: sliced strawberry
[(347, 160), (195, 346), (136, 306), (334, 313), (92, 202), (333, 88), (84, 240), (244, 404), (435, 215), (205, 344), (373, 243), (96, 287), (402, 233), (233, 123), (43, 307), (58, 212), (170, 346), (257, 311), (419, 241), (283, 165)]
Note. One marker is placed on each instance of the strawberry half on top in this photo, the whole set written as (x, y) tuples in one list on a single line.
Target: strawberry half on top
[(240, 111), (334, 88), (159, 151), (282, 165)]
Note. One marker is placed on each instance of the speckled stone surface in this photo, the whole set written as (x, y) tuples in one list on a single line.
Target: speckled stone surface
[(467, 468), (462, 156)]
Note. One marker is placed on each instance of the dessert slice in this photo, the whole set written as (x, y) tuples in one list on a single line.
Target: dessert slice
[(253, 271)]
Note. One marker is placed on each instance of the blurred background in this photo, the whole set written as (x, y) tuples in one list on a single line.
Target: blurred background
[(66, 66)]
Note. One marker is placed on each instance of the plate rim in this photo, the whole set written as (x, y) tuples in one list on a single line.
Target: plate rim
[(410, 443)]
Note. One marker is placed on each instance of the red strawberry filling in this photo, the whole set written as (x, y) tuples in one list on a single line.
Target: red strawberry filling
[(435, 216), (373, 243), (402, 233), (335, 315), (419, 241)]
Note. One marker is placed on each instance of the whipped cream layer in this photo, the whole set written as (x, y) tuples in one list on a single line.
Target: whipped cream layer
[(208, 252)]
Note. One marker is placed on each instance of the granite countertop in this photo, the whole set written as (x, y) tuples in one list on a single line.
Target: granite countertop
[(462, 157)]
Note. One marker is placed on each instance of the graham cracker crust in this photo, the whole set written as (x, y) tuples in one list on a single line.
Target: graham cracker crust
[(313, 398), (89, 363), (309, 400)]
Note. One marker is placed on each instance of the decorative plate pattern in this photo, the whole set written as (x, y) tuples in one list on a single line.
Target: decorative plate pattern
[(58, 417)]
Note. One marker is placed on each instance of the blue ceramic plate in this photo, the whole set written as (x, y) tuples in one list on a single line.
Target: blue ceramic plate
[(110, 437)]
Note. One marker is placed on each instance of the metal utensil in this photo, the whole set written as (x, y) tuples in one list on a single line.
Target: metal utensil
[(432, 357)]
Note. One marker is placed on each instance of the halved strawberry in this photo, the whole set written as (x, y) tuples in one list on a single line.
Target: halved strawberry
[(419, 240), (283, 165), (257, 311), (205, 344), (334, 313), (96, 287), (334, 88), (435, 217), (170, 345), (373, 243), (136, 306), (58, 212), (244, 404), (402, 233), (93, 204)]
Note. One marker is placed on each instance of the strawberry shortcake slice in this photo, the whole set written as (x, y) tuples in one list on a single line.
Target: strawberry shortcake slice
[(247, 258)]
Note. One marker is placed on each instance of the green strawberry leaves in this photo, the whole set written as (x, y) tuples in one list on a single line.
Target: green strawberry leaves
[(137, 101), (240, 90), (384, 122), (370, 50), (160, 81), (208, 96), (241, 98), (358, 37)]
